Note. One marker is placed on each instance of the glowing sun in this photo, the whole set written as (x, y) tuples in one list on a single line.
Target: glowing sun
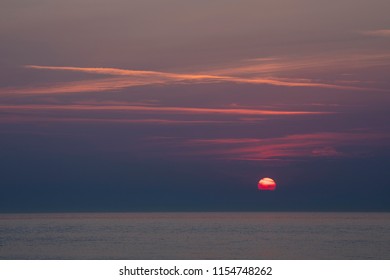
[(266, 184)]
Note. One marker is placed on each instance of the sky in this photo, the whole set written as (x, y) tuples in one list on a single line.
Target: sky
[(179, 105)]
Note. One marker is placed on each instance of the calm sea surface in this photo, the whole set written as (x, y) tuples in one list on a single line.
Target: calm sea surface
[(195, 236)]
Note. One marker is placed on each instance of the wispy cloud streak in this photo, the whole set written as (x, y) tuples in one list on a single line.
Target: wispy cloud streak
[(277, 65), (377, 33), (257, 74), (37, 119), (131, 108), (290, 147)]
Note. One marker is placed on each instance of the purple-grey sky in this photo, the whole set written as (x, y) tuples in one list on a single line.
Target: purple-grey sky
[(184, 105)]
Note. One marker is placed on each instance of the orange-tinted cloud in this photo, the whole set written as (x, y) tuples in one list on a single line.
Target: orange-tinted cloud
[(181, 110), (377, 32), (154, 77), (304, 64), (123, 72), (276, 71), (253, 72)]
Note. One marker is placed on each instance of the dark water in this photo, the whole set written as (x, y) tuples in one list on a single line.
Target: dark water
[(196, 236)]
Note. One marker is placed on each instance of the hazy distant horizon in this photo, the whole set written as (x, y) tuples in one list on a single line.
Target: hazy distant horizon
[(191, 211)]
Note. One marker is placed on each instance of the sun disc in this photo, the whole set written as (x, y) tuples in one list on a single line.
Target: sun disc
[(266, 184)]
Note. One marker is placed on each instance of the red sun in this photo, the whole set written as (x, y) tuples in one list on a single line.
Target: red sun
[(266, 184)]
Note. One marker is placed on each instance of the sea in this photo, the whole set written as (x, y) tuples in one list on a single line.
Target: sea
[(186, 236)]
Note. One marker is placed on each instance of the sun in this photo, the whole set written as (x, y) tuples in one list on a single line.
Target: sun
[(266, 184)]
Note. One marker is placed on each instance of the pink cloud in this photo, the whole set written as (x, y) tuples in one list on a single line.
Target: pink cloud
[(36, 119), (285, 148)]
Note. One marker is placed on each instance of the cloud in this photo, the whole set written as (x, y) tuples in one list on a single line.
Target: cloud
[(256, 72), (305, 66), (290, 147), (377, 33), (123, 72), (155, 109), (276, 71), (129, 113), (159, 121)]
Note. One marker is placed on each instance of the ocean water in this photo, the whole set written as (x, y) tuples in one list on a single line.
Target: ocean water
[(195, 236)]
